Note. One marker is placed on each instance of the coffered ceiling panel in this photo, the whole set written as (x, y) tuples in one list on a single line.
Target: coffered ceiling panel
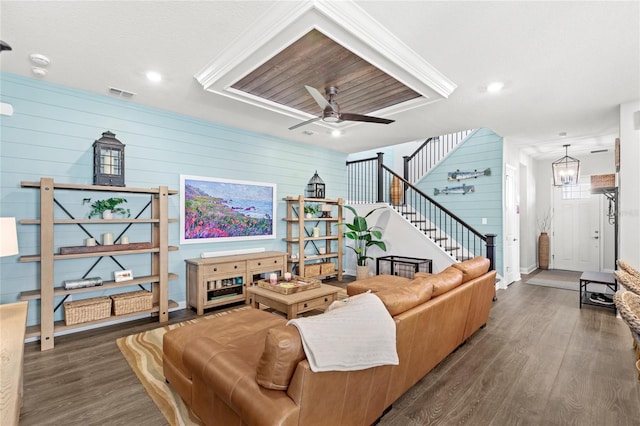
[(318, 61)]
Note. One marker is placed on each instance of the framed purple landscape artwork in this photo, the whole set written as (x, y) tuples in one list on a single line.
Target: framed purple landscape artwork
[(218, 210)]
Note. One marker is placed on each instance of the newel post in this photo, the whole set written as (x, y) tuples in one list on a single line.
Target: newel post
[(380, 178), (491, 250)]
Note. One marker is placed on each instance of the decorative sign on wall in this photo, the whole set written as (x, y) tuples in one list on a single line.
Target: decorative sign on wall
[(464, 189), (458, 175)]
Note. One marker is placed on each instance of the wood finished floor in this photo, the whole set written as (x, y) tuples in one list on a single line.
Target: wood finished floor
[(540, 361)]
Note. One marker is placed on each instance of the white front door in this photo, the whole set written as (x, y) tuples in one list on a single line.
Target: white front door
[(576, 229), (512, 227)]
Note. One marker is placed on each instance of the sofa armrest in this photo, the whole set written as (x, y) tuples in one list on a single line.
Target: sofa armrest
[(233, 381)]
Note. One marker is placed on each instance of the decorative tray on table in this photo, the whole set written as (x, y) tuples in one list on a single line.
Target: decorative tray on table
[(296, 284)]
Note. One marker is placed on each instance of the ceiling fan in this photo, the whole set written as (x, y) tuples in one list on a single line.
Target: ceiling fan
[(331, 110)]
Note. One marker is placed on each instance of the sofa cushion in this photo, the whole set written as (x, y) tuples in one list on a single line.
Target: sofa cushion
[(446, 280), (375, 284), (404, 297), (473, 268), (282, 353)]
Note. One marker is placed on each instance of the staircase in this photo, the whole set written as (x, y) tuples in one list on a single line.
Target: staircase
[(369, 180)]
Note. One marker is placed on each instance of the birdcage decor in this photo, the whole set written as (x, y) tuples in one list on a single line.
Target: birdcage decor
[(315, 187)]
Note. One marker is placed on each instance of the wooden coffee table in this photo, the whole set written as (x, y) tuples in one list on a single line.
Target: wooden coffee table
[(296, 303)]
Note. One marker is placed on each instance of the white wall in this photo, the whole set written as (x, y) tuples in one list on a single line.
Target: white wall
[(400, 237), (629, 207)]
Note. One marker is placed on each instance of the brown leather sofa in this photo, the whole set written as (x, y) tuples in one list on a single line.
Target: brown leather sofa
[(249, 367)]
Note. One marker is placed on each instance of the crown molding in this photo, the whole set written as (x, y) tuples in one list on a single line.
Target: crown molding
[(346, 23)]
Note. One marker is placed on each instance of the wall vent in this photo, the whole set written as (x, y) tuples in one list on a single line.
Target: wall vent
[(121, 93), (598, 151)]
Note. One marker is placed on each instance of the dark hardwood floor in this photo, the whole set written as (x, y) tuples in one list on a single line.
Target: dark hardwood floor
[(539, 361)]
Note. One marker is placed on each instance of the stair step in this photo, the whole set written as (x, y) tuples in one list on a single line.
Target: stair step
[(439, 239), (451, 248), (418, 221), (463, 258)]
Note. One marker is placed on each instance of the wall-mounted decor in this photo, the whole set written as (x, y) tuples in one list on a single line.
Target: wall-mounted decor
[(216, 210), (458, 175), (464, 189)]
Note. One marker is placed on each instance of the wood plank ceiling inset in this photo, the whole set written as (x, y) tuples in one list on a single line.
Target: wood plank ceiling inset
[(318, 61)]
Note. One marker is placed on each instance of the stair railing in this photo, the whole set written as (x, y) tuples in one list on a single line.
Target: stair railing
[(370, 181), (430, 153)]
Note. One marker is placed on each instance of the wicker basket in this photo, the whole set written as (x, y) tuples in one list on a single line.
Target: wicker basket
[(312, 270), (603, 181), (327, 268), (86, 310), (135, 301)]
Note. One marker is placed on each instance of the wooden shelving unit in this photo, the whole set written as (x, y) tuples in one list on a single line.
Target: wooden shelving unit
[(300, 239), (159, 252)]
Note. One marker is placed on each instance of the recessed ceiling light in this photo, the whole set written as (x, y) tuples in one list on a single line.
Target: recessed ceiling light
[(562, 134), (154, 76), (496, 86), (336, 132)]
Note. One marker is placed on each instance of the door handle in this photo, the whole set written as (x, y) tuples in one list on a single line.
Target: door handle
[(595, 238)]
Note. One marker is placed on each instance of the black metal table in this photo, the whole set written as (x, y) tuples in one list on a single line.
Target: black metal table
[(604, 278), (402, 265)]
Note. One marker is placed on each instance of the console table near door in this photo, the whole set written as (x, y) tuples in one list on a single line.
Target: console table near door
[(603, 278), (13, 321)]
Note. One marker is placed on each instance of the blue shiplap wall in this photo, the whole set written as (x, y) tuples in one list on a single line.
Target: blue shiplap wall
[(480, 151), (51, 135)]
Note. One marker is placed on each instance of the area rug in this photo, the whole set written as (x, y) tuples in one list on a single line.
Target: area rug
[(143, 352), (567, 280)]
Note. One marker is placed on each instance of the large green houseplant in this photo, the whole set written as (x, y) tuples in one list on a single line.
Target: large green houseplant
[(363, 236)]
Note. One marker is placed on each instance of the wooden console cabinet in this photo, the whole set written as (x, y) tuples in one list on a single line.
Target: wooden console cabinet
[(218, 281)]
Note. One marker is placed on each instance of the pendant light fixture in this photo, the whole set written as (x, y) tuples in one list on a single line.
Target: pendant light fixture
[(566, 170)]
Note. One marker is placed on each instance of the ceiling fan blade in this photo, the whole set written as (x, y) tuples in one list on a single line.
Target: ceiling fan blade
[(305, 122), (317, 96), (347, 116)]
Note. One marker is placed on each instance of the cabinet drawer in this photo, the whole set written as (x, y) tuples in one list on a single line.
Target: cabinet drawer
[(224, 268), (319, 302), (266, 262)]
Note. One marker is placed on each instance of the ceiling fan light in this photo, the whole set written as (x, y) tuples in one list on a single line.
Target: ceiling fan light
[(331, 117)]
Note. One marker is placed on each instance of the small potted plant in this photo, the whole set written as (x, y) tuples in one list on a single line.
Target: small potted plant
[(310, 210), (107, 208)]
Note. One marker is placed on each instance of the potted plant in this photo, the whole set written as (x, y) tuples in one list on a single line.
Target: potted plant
[(107, 208), (310, 210), (363, 236)]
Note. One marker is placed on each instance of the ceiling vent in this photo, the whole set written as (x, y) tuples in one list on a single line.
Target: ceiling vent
[(120, 93)]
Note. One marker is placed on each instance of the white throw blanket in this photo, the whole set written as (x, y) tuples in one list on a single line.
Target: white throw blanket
[(357, 336)]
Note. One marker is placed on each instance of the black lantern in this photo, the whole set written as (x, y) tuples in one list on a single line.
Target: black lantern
[(108, 161), (315, 187)]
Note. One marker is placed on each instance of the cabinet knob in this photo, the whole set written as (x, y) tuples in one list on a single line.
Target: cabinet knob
[(259, 263), (275, 261), (305, 305), (235, 266), (215, 269)]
